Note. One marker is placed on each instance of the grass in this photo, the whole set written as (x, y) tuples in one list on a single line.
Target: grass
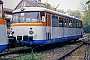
[(52, 54), (30, 56), (43, 55)]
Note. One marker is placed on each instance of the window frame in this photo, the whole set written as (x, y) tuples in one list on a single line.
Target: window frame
[(61, 24), (55, 16), (70, 25), (67, 22)]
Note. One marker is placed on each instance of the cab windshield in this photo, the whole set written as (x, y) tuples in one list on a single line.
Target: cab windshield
[(26, 17), (32, 17)]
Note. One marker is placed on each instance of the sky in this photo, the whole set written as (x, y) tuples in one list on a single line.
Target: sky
[(63, 4)]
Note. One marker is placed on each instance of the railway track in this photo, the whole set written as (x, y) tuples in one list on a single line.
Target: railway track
[(68, 53), (71, 54), (87, 51), (14, 54)]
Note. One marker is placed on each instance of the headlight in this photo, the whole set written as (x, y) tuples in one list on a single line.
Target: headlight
[(31, 32), (12, 32)]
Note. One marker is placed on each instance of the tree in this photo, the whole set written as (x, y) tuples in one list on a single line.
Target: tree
[(61, 11), (47, 5), (75, 13), (86, 20), (88, 2)]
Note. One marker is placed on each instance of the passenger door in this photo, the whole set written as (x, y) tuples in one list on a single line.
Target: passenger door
[(48, 26)]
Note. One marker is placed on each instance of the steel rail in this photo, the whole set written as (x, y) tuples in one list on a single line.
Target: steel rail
[(14, 51), (68, 54), (86, 53)]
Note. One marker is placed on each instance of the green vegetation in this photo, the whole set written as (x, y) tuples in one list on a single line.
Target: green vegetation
[(88, 2), (48, 6), (86, 19), (75, 13), (30, 56), (43, 55)]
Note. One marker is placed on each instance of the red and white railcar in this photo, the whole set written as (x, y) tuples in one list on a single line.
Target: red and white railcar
[(40, 26)]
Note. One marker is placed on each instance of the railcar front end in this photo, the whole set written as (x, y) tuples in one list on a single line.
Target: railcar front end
[(28, 28), (29, 33)]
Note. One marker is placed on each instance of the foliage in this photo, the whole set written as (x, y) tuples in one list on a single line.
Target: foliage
[(61, 11), (30, 56), (75, 13), (88, 2), (86, 20), (48, 6), (86, 28)]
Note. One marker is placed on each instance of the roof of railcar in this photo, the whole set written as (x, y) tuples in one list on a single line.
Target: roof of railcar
[(42, 9)]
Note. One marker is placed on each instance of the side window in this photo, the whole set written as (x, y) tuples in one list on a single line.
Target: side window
[(66, 22), (80, 24), (61, 23), (70, 23), (54, 21), (77, 24)]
